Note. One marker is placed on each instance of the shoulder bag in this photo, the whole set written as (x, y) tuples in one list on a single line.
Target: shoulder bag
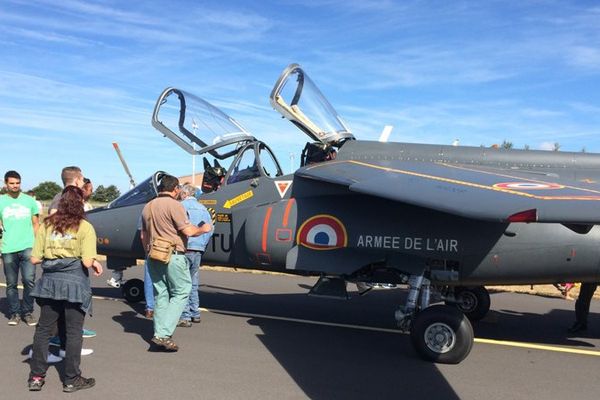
[(161, 249)]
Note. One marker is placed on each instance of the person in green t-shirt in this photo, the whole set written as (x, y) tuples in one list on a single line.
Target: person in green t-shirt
[(19, 220)]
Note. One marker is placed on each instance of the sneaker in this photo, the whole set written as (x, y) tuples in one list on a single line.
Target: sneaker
[(30, 320), (14, 320), (55, 341), (52, 359), (88, 333), (84, 352), (167, 343), (79, 383), (113, 283), (196, 320), (184, 323), (35, 383)]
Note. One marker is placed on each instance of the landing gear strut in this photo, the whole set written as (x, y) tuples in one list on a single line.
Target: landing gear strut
[(440, 333)]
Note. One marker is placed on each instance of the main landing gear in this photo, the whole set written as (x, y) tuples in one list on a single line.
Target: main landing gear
[(473, 301), (440, 333)]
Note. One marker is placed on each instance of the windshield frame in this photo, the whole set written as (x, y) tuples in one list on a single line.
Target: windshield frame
[(150, 183), (317, 118), (196, 112), (255, 149)]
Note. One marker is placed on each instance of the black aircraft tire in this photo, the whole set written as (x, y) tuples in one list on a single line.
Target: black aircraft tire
[(133, 290), (473, 301), (442, 334)]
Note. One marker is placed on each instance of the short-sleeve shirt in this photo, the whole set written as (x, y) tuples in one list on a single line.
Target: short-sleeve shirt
[(197, 213), (51, 245), (15, 216), (54, 203), (166, 217)]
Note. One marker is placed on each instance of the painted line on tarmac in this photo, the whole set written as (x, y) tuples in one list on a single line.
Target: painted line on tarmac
[(302, 321), (526, 345), (386, 330), (536, 346), (3, 284), (109, 298)]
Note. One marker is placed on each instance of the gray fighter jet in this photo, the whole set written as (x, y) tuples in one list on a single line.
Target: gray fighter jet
[(444, 220)]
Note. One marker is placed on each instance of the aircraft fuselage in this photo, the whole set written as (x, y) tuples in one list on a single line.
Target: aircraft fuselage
[(293, 224)]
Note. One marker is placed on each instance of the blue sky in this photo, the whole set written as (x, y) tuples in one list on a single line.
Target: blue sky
[(76, 76)]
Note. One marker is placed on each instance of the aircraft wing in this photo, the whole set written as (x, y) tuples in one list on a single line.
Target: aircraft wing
[(472, 191)]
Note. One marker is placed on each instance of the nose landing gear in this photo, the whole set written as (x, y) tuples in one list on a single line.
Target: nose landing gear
[(133, 290)]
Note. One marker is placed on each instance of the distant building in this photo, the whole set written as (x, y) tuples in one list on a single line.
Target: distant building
[(197, 181)]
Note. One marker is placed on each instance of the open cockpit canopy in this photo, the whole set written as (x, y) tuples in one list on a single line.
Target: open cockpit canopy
[(298, 99), (197, 126), (141, 194)]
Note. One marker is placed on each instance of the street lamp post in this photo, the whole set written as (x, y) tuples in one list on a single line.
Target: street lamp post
[(194, 127), (292, 156)]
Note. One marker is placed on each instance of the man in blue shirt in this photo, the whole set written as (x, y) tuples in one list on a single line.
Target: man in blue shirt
[(197, 213)]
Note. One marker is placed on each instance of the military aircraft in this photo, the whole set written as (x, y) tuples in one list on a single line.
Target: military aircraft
[(444, 220)]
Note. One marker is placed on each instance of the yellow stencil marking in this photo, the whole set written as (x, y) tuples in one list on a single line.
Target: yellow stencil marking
[(238, 199)]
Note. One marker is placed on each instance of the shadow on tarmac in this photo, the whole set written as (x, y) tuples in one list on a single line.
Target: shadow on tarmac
[(134, 322), (329, 362), (548, 328)]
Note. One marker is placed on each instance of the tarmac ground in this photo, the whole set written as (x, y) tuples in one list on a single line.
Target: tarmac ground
[(262, 337)]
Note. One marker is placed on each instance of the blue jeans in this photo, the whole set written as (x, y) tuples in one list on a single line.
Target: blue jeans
[(192, 311), (148, 289), (13, 263)]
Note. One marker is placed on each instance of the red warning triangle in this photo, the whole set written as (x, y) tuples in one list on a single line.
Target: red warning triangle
[(282, 187)]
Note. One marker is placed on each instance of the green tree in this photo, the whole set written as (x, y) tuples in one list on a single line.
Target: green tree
[(106, 194), (506, 144), (556, 146), (46, 190)]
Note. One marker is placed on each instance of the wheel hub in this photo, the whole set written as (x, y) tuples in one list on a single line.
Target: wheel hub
[(440, 338), (467, 301)]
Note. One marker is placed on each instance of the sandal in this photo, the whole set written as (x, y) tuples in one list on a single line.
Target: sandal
[(166, 343)]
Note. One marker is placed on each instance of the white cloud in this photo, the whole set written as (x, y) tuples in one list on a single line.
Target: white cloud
[(585, 57), (546, 146)]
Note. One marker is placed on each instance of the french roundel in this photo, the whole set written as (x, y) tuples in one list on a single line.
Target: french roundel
[(322, 232)]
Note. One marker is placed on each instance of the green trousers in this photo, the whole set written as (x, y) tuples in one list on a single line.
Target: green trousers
[(172, 284)]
